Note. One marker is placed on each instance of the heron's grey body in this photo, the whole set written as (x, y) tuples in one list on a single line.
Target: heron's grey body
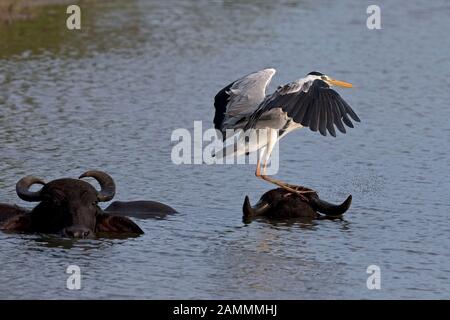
[(307, 102)]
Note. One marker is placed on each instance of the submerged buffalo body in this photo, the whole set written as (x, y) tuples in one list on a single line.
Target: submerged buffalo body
[(140, 209), (68, 207), (282, 204)]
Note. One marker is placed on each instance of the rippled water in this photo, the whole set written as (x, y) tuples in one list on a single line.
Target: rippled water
[(109, 97)]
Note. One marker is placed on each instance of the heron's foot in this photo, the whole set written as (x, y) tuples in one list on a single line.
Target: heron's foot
[(293, 189), (301, 189), (279, 183)]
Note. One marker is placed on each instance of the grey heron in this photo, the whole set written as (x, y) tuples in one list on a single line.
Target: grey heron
[(307, 102)]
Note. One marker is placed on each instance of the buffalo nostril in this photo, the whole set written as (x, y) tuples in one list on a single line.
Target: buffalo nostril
[(72, 232)]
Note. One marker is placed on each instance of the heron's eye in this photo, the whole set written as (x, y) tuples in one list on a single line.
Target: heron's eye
[(323, 77)]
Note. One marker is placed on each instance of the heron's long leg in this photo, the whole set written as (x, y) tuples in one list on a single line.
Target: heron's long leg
[(284, 185), (274, 181), (266, 152)]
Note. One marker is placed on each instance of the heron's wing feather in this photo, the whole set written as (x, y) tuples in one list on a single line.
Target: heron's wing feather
[(220, 103), (323, 118), (314, 105), (240, 99)]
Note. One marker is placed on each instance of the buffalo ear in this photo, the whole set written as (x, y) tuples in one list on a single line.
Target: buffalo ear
[(20, 222), (116, 224)]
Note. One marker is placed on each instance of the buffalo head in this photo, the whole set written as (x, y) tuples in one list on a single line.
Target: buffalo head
[(281, 204), (70, 207)]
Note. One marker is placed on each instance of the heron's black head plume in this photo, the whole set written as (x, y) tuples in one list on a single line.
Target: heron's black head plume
[(315, 73)]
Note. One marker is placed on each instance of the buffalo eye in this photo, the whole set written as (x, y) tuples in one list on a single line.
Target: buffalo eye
[(53, 199)]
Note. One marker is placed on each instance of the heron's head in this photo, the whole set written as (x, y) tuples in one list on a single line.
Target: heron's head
[(330, 81)]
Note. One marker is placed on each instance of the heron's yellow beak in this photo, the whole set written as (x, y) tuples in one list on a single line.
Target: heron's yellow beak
[(339, 83)]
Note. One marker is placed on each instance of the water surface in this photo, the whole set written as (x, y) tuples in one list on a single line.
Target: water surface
[(110, 96)]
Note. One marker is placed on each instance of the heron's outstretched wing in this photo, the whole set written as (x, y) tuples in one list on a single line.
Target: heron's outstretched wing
[(310, 104), (240, 99)]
